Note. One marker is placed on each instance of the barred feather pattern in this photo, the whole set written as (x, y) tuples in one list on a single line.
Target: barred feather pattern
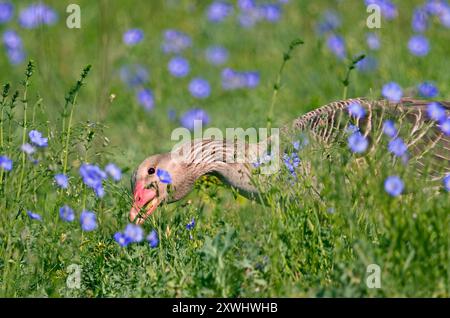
[(422, 135)]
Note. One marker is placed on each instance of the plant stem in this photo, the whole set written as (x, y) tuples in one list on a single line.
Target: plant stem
[(72, 100), (277, 85), (26, 83)]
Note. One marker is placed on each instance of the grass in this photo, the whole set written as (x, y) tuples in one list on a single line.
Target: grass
[(298, 244)]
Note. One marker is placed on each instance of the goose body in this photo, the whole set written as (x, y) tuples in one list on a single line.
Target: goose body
[(326, 125)]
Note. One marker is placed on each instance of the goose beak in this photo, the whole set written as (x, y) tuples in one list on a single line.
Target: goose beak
[(143, 198)]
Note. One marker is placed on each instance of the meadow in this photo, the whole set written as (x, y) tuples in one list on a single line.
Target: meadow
[(81, 108)]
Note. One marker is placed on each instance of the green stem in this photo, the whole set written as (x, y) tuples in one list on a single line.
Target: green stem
[(69, 126), (276, 87), (24, 136)]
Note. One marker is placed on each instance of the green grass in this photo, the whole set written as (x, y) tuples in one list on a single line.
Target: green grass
[(294, 245)]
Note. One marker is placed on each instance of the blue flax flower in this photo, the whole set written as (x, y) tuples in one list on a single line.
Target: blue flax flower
[(389, 128), (446, 182), (336, 44), (394, 186), (189, 118), (62, 181), (356, 110), (191, 224), (445, 126), (93, 177), (88, 221), (134, 75), (133, 37), (357, 143), (36, 15), (37, 139), (145, 98), (419, 20), (218, 11), (121, 239), (175, 41), (134, 233), (373, 41), (164, 176), (199, 88), (28, 149), (436, 111), (392, 91), (178, 66), (6, 11), (427, 90), (152, 239), (397, 147), (418, 45), (6, 163), (66, 213), (113, 171), (216, 55), (34, 216)]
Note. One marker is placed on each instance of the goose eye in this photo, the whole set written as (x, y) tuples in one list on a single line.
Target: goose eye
[(151, 171)]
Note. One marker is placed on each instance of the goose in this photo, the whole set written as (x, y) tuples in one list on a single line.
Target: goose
[(324, 125)]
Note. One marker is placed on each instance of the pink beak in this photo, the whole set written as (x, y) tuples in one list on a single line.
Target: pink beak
[(143, 197)]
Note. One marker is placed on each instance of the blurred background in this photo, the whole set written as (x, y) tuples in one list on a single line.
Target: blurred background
[(153, 61)]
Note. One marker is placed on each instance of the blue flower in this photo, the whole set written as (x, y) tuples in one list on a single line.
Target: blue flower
[(145, 98), (436, 111), (389, 128), (245, 5), (444, 17), (15, 56), (419, 20), (88, 221), (271, 12), (34, 216), (357, 142), (356, 110), (218, 11), (336, 45), (393, 185), (373, 41), (445, 126), (199, 88), (93, 177), (428, 90), (172, 114), (164, 176), (66, 213), (291, 162), (121, 239), (6, 163), (435, 7), (191, 224), (134, 233), (216, 55), (392, 91), (368, 64), (6, 11), (188, 119), (37, 14), (178, 66), (351, 129), (397, 147), (133, 36), (37, 139), (134, 75), (113, 171), (330, 21), (233, 80), (248, 18), (62, 181), (446, 182), (152, 239), (418, 45), (388, 9), (12, 40), (175, 41), (27, 148)]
